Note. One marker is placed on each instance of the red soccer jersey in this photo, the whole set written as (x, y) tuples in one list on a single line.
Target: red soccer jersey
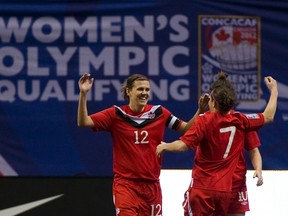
[(239, 177), (135, 138), (220, 140)]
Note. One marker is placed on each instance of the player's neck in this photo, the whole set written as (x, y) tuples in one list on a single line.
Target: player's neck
[(136, 109)]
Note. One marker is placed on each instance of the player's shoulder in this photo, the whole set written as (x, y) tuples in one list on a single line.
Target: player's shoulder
[(247, 115), (122, 108), (207, 114), (110, 110), (150, 106), (205, 117), (236, 114)]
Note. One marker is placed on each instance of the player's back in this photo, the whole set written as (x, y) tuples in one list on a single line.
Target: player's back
[(218, 151)]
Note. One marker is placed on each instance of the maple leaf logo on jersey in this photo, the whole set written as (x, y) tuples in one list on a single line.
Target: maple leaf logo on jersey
[(151, 115)]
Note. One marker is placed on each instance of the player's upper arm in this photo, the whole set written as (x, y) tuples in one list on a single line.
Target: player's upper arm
[(86, 122), (182, 127)]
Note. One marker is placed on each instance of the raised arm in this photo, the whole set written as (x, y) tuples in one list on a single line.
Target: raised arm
[(85, 83), (202, 107), (270, 109)]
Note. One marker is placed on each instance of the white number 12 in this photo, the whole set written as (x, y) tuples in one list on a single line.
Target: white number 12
[(142, 137)]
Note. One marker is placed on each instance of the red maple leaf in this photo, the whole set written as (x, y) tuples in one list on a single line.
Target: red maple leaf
[(222, 36), (237, 37)]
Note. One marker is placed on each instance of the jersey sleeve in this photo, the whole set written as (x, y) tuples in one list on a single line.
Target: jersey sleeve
[(103, 119), (194, 134), (251, 140), (172, 121), (253, 122)]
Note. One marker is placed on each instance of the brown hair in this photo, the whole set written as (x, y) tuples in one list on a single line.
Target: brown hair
[(130, 82), (223, 93)]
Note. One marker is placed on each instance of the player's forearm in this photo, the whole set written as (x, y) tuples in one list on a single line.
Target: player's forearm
[(191, 121), (271, 107), (176, 146), (82, 114), (256, 159), (202, 107)]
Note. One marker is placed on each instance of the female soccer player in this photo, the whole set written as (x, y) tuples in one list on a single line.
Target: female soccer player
[(136, 130), (218, 138)]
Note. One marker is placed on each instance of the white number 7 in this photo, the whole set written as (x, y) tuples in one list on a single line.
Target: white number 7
[(231, 129)]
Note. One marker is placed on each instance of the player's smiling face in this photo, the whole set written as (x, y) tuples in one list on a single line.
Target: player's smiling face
[(139, 95)]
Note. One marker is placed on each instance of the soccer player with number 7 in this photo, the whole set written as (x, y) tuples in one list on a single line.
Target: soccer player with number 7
[(218, 138)]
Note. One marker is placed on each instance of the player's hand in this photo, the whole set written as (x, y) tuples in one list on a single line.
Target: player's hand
[(203, 103), (160, 148), (85, 82), (258, 174), (270, 83)]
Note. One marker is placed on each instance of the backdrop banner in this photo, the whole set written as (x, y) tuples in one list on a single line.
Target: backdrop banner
[(45, 48)]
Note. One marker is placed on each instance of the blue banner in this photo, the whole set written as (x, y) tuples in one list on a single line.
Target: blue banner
[(45, 48)]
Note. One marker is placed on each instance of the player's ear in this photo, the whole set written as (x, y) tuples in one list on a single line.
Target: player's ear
[(127, 91)]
